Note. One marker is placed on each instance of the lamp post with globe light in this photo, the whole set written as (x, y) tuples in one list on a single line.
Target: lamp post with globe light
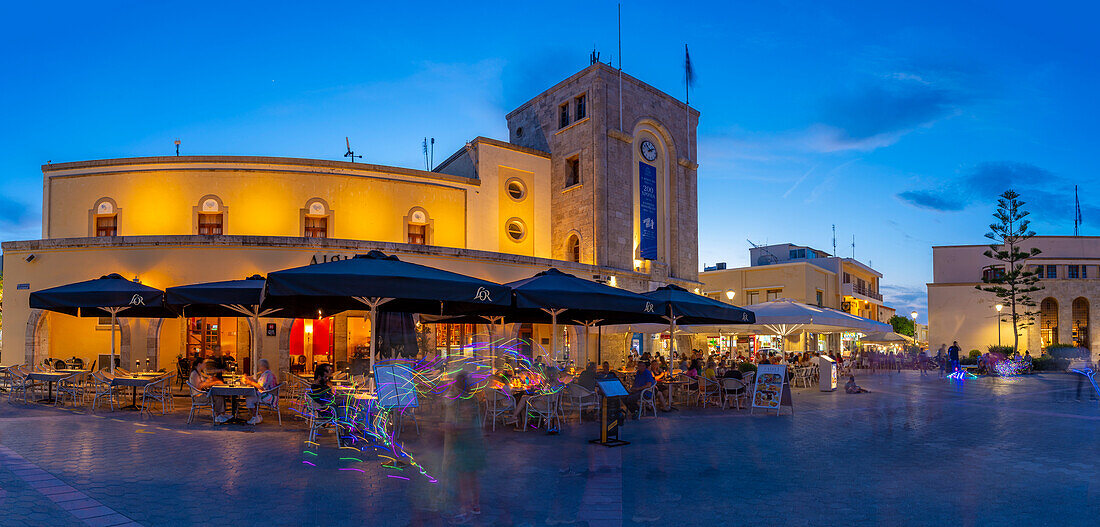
[(999, 307)]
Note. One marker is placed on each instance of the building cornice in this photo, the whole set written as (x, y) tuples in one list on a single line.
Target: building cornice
[(247, 163)]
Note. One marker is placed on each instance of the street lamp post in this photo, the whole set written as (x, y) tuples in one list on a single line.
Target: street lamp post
[(999, 307), (915, 339)]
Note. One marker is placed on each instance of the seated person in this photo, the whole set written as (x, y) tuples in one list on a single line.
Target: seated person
[(587, 378), (320, 393), (710, 372), (693, 372), (733, 373), (264, 380), (662, 389), (643, 379), (200, 380), (605, 372), (852, 387)]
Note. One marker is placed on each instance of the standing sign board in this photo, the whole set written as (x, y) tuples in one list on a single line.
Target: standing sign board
[(770, 390), (396, 387), (647, 209), (611, 415), (826, 369)]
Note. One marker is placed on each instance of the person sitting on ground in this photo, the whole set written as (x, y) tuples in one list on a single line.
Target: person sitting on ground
[(199, 380), (643, 379), (264, 380), (587, 378), (852, 387)]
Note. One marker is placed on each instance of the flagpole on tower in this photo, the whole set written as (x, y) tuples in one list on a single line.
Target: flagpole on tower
[(1076, 212)]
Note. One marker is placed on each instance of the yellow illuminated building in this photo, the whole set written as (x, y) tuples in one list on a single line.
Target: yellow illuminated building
[(805, 275), (496, 210)]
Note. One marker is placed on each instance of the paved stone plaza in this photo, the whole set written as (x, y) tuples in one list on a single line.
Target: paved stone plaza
[(914, 452)]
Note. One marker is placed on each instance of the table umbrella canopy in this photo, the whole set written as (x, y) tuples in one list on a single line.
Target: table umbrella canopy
[(101, 296), (689, 308), (405, 287), (886, 337), (109, 295), (578, 300), (785, 316), (230, 298), (373, 280)]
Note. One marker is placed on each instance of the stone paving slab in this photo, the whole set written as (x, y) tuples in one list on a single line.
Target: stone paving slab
[(913, 452)]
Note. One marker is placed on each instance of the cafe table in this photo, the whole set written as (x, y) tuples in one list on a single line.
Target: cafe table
[(232, 392), (49, 377), (134, 382)]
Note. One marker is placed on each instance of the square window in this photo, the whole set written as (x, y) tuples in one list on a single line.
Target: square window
[(106, 225), (563, 115), (1071, 271), (1039, 271), (418, 234), (1084, 271), (820, 299), (1052, 271), (210, 224), (578, 106), (572, 171), (316, 227)]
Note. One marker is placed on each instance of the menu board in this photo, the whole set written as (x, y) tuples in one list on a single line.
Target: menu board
[(395, 386), (767, 391)]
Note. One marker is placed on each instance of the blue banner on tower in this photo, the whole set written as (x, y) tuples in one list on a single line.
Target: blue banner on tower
[(647, 195)]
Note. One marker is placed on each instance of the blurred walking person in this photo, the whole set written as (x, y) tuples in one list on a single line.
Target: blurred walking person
[(463, 447)]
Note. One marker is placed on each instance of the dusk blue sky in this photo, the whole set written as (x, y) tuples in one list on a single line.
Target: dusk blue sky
[(896, 124)]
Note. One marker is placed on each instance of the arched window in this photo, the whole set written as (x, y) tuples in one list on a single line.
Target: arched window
[(1048, 322), (316, 219), (105, 218), (418, 227), (210, 216), (1081, 322), (573, 248)]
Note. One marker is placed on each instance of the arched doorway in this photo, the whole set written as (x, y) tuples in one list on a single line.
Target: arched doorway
[(1081, 322), (1048, 322)]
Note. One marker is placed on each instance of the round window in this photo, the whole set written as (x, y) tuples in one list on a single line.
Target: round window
[(516, 229), (516, 190)]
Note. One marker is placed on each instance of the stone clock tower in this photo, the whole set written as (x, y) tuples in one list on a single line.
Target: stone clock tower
[(623, 172)]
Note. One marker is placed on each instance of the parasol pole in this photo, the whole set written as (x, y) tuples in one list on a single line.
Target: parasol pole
[(372, 304), (553, 312), (114, 320)]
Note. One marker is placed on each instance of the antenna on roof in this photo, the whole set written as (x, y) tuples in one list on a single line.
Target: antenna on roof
[(853, 246), (834, 239), (431, 157), (768, 257), (177, 147), (350, 153), (424, 146), (594, 57)]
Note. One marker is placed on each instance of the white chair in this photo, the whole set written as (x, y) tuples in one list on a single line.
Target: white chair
[(315, 414), (581, 398), (272, 401), (734, 390), (647, 400), (709, 390), (21, 383), (199, 399), (72, 386), (159, 390), (543, 407), (497, 405), (101, 383)]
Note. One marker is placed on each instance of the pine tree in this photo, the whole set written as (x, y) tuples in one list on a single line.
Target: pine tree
[(1014, 286)]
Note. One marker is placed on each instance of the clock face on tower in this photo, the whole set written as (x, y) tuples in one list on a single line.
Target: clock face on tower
[(649, 152)]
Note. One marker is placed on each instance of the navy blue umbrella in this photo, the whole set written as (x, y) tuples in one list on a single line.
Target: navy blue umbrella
[(109, 295), (679, 306), (374, 280), (584, 302), (231, 298)]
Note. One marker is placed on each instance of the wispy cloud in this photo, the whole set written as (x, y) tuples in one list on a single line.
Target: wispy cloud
[(906, 299), (1048, 195)]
